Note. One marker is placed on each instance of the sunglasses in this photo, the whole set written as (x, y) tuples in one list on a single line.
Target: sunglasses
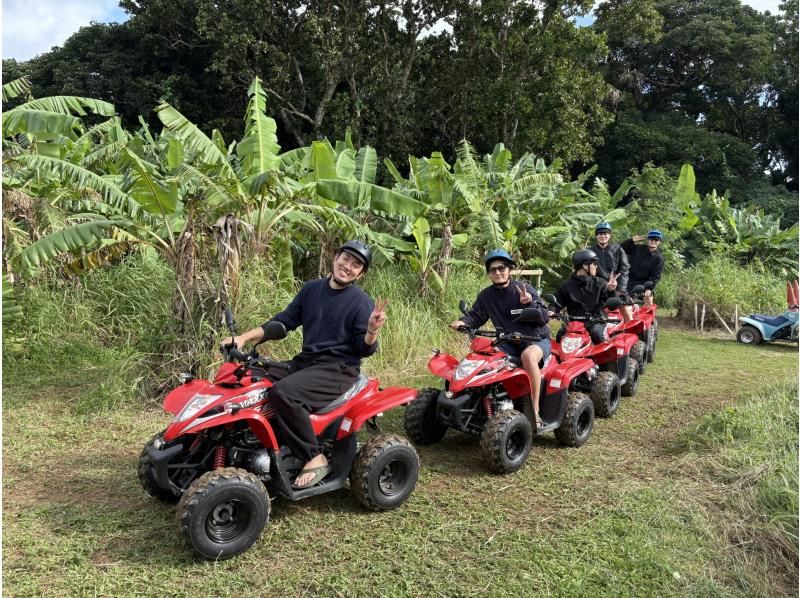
[(653, 239), (497, 269)]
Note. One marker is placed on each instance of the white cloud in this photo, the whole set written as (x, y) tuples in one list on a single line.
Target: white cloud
[(32, 27), (764, 5)]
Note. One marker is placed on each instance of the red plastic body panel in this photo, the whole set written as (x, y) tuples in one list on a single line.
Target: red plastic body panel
[(369, 403), (443, 365), (227, 374), (177, 398), (560, 375)]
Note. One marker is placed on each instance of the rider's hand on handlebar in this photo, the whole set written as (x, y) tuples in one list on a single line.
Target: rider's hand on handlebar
[(457, 325), (231, 341)]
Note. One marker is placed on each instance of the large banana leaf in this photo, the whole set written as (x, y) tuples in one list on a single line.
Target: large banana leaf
[(194, 139), (16, 88), (40, 123), (66, 172), (109, 253), (154, 194), (320, 162), (366, 165), (259, 148), (74, 105), (12, 311), (346, 164), (69, 239), (370, 197)]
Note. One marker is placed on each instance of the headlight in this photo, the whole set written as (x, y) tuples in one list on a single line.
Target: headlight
[(571, 343), (466, 368), (198, 403)]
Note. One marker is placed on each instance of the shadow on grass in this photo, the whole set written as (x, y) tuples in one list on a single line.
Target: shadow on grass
[(774, 346)]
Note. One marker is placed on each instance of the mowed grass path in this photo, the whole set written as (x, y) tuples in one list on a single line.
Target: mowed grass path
[(627, 514)]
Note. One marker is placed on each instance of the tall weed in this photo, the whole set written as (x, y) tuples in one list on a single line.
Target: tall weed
[(751, 451), (723, 284)]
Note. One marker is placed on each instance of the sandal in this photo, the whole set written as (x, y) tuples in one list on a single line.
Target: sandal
[(539, 422), (319, 475)]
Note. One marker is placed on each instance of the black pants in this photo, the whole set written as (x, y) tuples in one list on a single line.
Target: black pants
[(310, 383)]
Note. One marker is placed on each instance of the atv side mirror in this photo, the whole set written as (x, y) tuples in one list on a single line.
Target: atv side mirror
[(229, 320), (551, 299), (613, 303), (463, 306), (530, 315), (274, 331)]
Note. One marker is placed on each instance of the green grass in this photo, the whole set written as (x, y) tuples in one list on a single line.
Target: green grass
[(651, 505)]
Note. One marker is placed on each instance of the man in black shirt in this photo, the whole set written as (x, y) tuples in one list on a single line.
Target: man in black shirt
[(585, 292), (502, 302), (647, 263), (612, 260), (340, 326)]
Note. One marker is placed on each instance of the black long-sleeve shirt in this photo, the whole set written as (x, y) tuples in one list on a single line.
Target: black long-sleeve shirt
[(583, 295), (502, 306), (334, 321), (645, 265), (613, 259)]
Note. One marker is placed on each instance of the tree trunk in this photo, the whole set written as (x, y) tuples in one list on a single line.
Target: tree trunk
[(442, 267), (226, 232), (185, 254)]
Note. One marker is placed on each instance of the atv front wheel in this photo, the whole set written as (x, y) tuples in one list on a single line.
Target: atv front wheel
[(506, 441), (223, 513), (639, 353), (605, 394), (421, 424), (749, 335), (632, 381), (576, 427), (147, 476), (385, 473)]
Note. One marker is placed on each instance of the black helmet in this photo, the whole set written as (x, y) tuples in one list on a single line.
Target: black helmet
[(581, 257), (498, 254), (360, 250)]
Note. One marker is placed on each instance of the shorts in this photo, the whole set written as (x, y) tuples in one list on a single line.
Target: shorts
[(516, 349)]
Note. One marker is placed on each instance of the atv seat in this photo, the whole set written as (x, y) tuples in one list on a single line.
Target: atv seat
[(771, 321), (358, 386)]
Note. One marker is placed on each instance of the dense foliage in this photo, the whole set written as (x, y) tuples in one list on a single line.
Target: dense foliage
[(713, 83)]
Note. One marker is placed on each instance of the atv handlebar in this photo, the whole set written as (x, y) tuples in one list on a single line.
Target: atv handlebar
[(232, 353), (498, 335)]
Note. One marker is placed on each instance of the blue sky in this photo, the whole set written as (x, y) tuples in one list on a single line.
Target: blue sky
[(32, 27)]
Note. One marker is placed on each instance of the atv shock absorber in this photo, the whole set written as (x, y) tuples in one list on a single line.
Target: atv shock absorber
[(487, 405), (220, 454)]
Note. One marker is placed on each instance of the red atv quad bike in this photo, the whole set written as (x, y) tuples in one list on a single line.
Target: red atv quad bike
[(619, 373), (221, 458), (488, 393), (643, 324)]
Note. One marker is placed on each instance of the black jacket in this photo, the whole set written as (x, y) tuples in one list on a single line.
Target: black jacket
[(645, 266), (502, 306), (583, 295), (613, 259)]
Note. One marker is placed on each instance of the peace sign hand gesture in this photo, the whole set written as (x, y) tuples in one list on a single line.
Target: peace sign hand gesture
[(524, 296), (612, 281), (378, 316)]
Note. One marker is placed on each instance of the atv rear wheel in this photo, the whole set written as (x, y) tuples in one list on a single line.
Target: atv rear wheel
[(651, 341), (632, 381), (506, 441), (605, 394), (576, 427), (639, 353), (385, 473), (223, 513), (749, 335), (147, 477), (420, 421)]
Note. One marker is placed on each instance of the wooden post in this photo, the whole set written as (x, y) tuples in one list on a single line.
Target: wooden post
[(721, 319), (702, 317), (695, 315), (736, 317)]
